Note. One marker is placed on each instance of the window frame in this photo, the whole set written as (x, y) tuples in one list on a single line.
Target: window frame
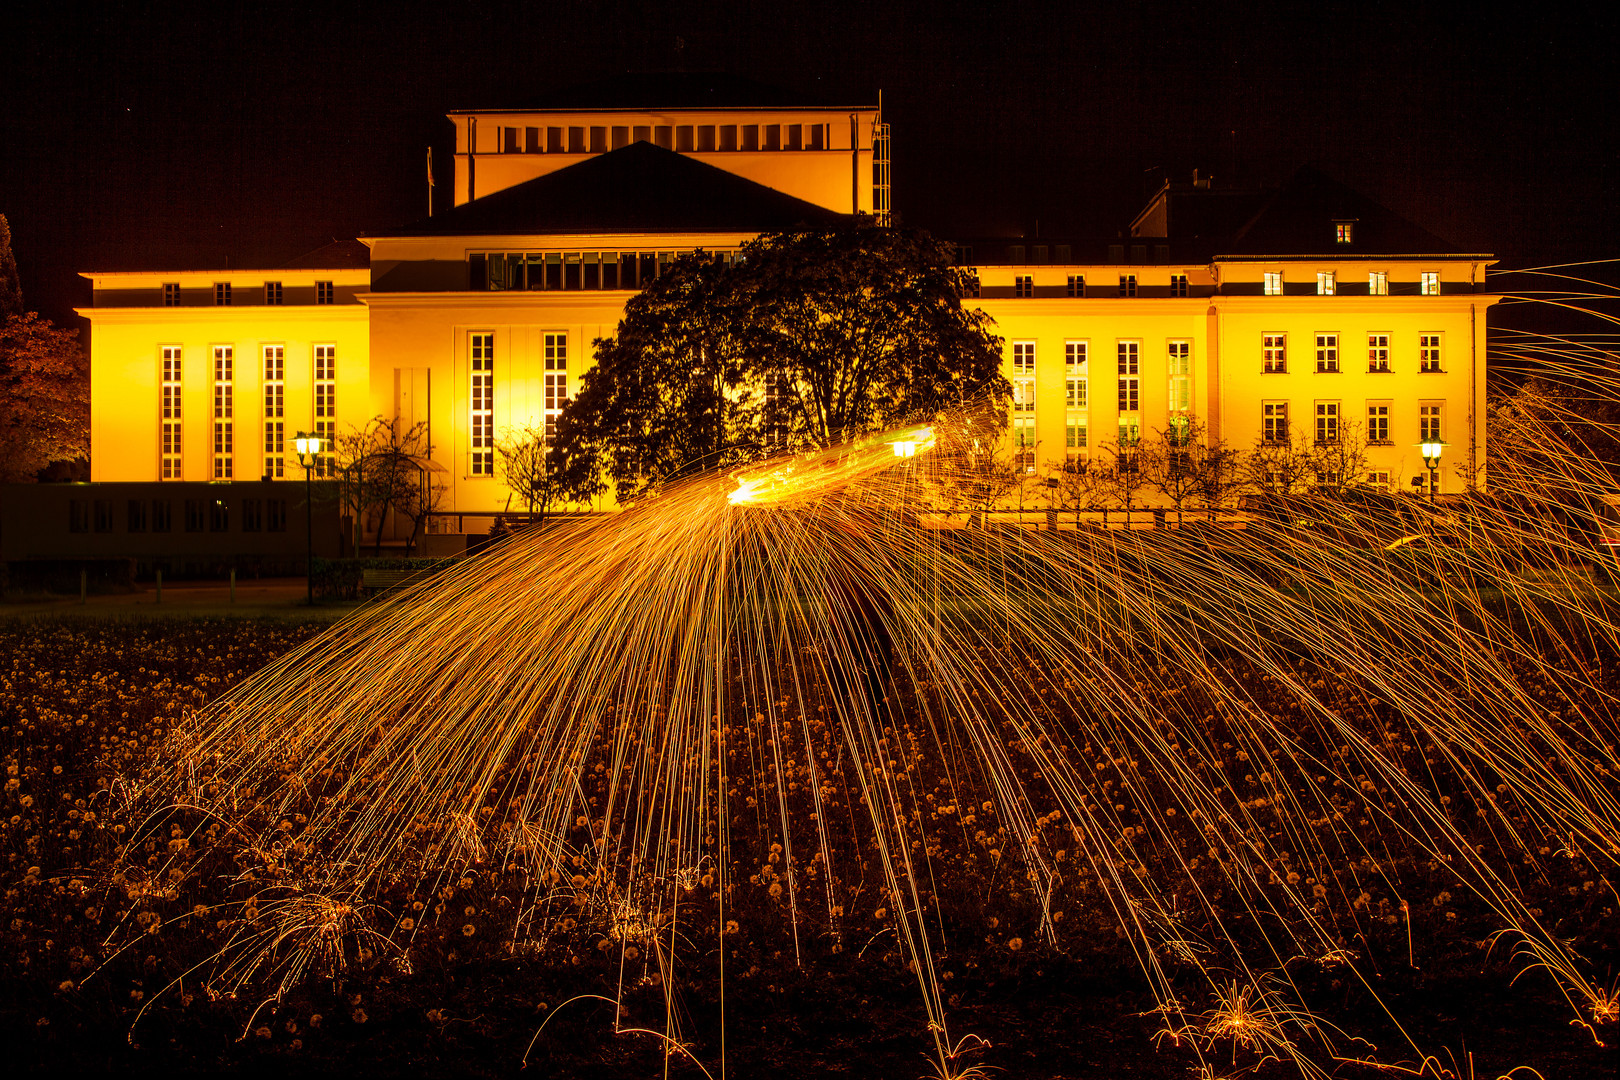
[(481, 403), (1327, 352), (1431, 353), (1273, 353), (1271, 283), (1378, 353)]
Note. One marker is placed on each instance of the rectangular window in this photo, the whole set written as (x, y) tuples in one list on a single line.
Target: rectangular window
[(1378, 353), (104, 515), (1130, 434), (1178, 358), (171, 413), (323, 292), (1130, 355), (1077, 285), (481, 437), (195, 511), (252, 515), (1273, 286), (1378, 423), (219, 516), (1023, 357), (556, 373), (223, 409), (554, 141), (1023, 286), (728, 137), (1274, 353), (1377, 283), (1431, 283), (1127, 284), (1024, 443), (1178, 284), (683, 138), (162, 515), (1076, 432), (137, 515), (1327, 353), (275, 515), (576, 139), (1274, 422), (1429, 353), (272, 293), (275, 425), (1324, 283), (78, 516), (599, 140), (1429, 429), (1024, 377), (750, 136), (1377, 480), (326, 409), (621, 136), (509, 140), (222, 294), (705, 138), (531, 141), (1327, 422), (1344, 232), (1076, 375), (663, 135), (171, 294)]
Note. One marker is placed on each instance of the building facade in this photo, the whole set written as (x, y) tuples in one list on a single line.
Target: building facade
[(1305, 311)]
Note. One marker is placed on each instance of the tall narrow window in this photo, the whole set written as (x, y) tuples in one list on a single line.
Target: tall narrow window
[(1344, 232), (1127, 284), (171, 413), (481, 440), (323, 292), (171, 294), (1130, 386), (1378, 422), (1429, 353), (1024, 443), (1077, 285), (1378, 352), (1023, 377), (326, 408), (1327, 353), (1377, 283), (1273, 285), (222, 294), (1431, 283), (556, 360), (223, 420), (1274, 421), (1023, 286), (1178, 284), (1076, 397), (1274, 353), (1178, 358), (272, 293), (275, 425), (1429, 429), (1327, 422), (1324, 283)]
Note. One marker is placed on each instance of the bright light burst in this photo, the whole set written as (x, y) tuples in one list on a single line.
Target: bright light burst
[(788, 703)]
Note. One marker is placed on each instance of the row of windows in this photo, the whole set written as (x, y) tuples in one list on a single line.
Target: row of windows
[(481, 394), (1377, 283), (1126, 285), (225, 293), (223, 413), (1274, 354), (1024, 285), (534, 271), (1274, 422), (200, 515), (684, 138)]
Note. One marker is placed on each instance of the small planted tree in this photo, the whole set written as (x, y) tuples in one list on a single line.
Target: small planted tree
[(525, 464), (1085, 486), (1186, 467), (386, 467)]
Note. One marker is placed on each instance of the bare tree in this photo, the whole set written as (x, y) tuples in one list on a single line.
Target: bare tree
[(1084, 486), (1184, 465), (529, 467), (386, 467), (1123, 470)]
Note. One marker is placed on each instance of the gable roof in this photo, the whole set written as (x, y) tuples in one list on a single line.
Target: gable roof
[(637, 188), (1299, 218), (338, 255)]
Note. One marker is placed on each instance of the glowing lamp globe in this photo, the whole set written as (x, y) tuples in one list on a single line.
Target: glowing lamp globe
[(1431, 451), (307, 445)]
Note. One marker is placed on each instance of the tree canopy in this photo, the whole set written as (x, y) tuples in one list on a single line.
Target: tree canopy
[(44, 397), (804, 339)]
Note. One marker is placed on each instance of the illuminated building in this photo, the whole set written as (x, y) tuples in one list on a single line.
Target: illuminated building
[(1253, 312)]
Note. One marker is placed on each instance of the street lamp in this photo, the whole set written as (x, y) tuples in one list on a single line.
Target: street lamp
[(309, 448), (1431, 457)]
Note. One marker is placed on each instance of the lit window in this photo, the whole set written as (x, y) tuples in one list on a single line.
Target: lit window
[(323, 292), (1429, 423), (1327, 353), (1378, 352), (1130, 355), (1023, 286), (1431, 283), (1377, 283), (556, 358), (275, 426), (1378, 422), (1179, 362), (1024, 443), (171, 294), (1023, 358), (1127, 284), (1076, 433), (481, 441), (1378, 480), (223, 434), (1024, 372), (171, 413), (1327, 422), (1344, 232), (1075, 372), (272, 292), (1274, 351), (222, 294), (1274, 421), (1178, 284), (1273, 286), (1324, 283), (1429, 353), (1077, 285), (326, 408)]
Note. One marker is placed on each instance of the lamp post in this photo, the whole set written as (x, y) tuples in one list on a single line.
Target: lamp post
[(309, 447), (1431, 457)]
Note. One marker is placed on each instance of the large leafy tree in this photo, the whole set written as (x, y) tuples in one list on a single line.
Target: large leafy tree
[(44, 397), (807, 338)]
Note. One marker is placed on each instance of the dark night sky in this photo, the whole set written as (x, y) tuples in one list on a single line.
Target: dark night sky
[(159, 136)]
